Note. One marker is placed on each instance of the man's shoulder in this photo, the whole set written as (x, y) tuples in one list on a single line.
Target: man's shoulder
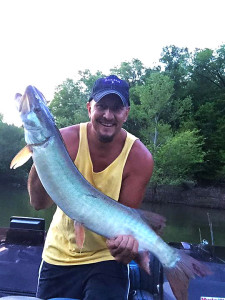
[(70, 131), (137, 173), (70, 136), (140, 158), (140, 151)]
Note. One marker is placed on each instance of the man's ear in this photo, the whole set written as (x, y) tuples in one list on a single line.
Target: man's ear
[(88, 105), (127, 114)]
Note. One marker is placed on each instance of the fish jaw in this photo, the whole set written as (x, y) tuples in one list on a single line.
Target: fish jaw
[(37, 120)]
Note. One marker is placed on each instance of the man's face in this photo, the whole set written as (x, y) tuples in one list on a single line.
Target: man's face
[(107, 116)]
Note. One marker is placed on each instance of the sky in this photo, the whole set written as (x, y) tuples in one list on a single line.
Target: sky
[(44, 42)]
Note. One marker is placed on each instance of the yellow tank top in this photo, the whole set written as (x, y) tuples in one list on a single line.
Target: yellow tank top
[(60, 245)]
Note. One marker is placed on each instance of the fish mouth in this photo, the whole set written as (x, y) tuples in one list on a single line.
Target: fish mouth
[(25, 103), (22, 104)]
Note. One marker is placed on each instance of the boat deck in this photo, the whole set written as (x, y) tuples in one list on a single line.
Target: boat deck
[(20, 257)]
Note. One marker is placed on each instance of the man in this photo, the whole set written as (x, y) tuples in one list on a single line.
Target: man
[(119, 165)]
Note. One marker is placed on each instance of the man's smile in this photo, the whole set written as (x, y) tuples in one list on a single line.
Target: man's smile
[(106, 124)]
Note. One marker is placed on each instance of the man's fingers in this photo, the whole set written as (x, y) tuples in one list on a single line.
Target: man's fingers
[(132, 244), (114, 242), (123, 248), (118, 245)]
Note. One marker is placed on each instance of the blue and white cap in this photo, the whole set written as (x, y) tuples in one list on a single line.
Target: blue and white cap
[(110, 85)]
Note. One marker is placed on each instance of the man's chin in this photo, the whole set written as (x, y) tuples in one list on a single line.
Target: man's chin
[(106, 139)]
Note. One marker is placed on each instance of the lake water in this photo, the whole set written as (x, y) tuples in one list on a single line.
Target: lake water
[(15, 202), (184, 223)]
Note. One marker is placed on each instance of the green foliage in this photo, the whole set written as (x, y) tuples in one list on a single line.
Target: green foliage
[(178, 67), (209, 66), (68, 105), (204, 84), (211, 121), (11, 142), (132, 72), (178, 159), (208, 76), (87, 80), (154, 100)]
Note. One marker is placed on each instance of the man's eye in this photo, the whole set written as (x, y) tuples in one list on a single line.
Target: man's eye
[(100, 106), (117, 108)]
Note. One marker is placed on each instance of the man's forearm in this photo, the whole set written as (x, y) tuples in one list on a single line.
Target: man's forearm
[(39, 198)]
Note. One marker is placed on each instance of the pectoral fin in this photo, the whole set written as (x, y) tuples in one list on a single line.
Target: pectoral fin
[(79, 234), (21, 157), (143, 260)]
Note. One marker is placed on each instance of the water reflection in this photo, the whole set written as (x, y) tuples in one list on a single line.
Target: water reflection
[(15, 202), (183, 222)]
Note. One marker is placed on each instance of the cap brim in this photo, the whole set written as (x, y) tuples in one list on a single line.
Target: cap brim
[(97, 97)]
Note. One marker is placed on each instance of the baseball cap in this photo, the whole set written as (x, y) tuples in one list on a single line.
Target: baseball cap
[(110, 85)]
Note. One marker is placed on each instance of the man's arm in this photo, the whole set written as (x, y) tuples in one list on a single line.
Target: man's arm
[(137, 173), (39, 198)]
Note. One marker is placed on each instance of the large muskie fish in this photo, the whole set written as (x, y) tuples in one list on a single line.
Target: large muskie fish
[(82, 202)]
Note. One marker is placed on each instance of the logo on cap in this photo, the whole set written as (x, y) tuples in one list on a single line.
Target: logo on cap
[(112, 80)]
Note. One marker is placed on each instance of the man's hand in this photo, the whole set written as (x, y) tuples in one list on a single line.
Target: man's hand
[(124, 248)]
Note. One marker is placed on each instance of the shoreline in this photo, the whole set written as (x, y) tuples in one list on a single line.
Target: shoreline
[(195, 196), (207, 197)]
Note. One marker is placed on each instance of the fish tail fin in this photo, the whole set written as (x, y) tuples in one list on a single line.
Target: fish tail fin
[(184, 270)]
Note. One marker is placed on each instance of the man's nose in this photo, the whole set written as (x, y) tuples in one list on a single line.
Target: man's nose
[(108, 114)]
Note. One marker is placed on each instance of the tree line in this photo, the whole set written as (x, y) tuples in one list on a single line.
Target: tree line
[(11, 142), (177, 111)]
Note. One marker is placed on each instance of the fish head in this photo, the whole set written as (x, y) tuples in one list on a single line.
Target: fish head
[(37, 120)]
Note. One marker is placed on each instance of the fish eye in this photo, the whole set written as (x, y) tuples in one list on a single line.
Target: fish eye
[(37, 109)]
